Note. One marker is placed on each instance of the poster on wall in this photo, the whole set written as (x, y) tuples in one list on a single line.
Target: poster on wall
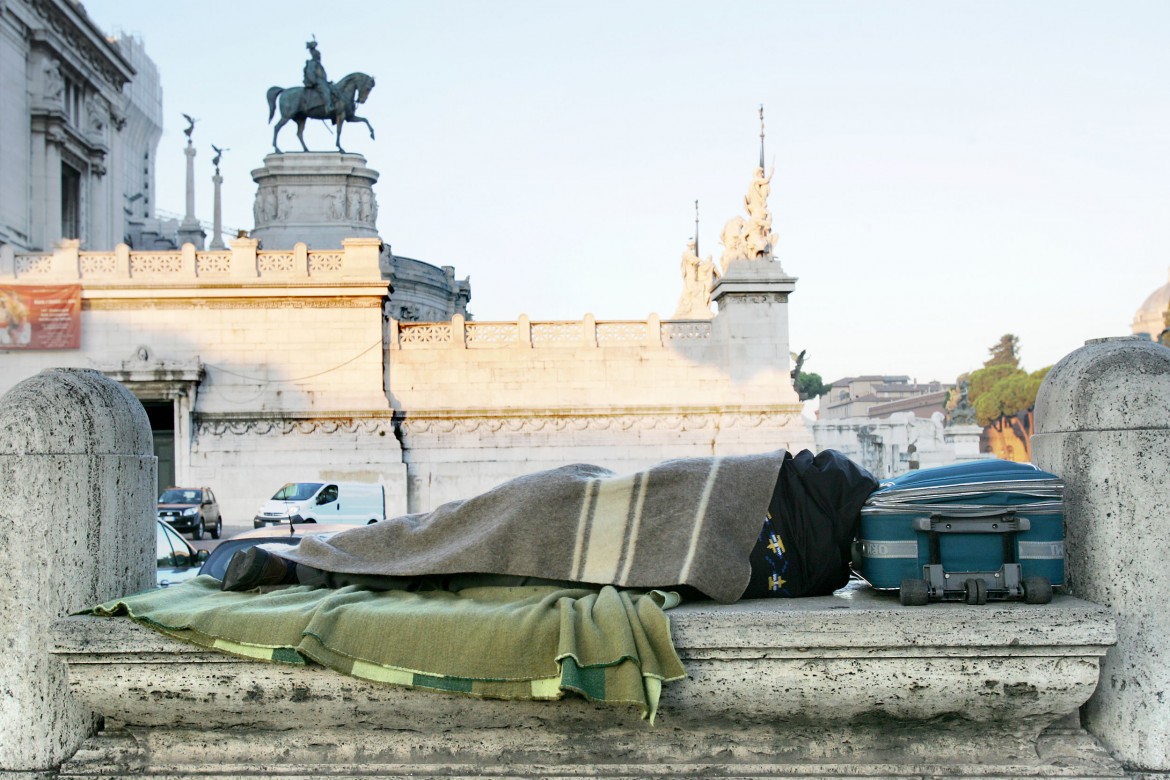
[(40, 317)]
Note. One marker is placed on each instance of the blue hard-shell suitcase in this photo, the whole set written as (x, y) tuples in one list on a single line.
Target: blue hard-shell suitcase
[(986, 529)]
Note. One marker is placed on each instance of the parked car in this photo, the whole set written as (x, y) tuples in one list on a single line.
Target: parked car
[(191, 509), (217, 561), (355, 503), (178, 561)]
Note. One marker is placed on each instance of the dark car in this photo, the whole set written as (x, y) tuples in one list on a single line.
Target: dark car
[(217, 561), (191, 509)]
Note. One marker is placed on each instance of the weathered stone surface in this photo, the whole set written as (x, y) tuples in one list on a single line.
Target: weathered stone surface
[(1103, 424), (852, 684), (76, 527)]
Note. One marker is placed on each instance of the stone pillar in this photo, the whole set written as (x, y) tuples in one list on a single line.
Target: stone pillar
[(964, 440), (1103, 424), (77, 527), (190, 231), (752, 324), (217, 223)]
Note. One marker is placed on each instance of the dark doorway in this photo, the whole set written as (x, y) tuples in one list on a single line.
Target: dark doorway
[(162, 427), (70, 202)]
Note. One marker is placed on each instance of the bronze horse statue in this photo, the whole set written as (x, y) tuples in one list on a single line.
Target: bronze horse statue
[(300, 104)]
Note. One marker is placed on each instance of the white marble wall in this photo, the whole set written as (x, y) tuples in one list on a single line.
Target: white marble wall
[(481, 402), (883, 446)]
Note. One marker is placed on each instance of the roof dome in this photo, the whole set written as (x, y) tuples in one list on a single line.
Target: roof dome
[(1151, 317)]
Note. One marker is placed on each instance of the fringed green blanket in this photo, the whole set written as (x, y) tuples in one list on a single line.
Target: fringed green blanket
[(531, 642)]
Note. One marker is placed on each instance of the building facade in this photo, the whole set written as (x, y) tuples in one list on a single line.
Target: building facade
[(81, 121), (308, 350)]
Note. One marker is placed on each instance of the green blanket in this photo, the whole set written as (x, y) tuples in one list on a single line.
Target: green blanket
[(531, 642)]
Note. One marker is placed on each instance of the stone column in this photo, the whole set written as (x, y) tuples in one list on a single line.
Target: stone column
[(190, 231), (1103, 424), (77, 527), (217, 225)]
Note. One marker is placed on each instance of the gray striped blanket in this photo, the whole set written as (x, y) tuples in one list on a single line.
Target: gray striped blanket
[(691, 521)]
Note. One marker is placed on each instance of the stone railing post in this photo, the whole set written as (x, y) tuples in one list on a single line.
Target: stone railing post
[(301, 258), (122, 261), (67, 259), (523, 332), (360, 258), (654, 330), (458, 332), (1103, 424), (589, 331), (77, 527), (187, 260), (244, 258), (7, 261)]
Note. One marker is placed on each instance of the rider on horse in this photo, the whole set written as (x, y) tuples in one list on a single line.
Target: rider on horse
[(316, 82)]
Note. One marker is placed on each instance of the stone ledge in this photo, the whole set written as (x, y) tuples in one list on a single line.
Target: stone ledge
[(852, 684)]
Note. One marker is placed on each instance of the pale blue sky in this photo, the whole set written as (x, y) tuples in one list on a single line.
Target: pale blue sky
[(946, 171)]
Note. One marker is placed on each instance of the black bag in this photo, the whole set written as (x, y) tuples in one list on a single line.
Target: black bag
[(805, 546)]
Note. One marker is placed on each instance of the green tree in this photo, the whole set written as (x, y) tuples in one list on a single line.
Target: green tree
[(810, 386), (984, 379), (1005, 353), (1004, 395)]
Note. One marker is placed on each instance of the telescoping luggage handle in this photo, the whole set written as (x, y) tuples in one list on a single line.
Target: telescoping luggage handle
[(998, 523)]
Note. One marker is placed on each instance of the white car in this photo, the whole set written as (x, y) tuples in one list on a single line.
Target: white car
[(178, 561)]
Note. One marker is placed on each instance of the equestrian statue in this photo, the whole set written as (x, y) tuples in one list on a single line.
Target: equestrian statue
[(319, 99)]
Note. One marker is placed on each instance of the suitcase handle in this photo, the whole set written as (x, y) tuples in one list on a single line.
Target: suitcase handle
[(1002, 523)]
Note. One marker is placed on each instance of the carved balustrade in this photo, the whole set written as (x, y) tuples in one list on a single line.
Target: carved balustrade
[(358, 258), (525, 333)]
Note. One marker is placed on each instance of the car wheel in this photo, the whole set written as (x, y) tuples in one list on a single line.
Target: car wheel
[(218, 529), (197, 531)]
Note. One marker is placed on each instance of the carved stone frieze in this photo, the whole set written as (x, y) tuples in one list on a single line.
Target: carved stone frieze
[(776, 297), (417, 425), (210, 425)]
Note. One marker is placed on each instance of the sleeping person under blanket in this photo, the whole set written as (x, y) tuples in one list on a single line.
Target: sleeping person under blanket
[(723, 527)]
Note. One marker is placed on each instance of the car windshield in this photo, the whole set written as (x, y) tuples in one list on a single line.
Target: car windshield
[(181, 496), (297, 491)]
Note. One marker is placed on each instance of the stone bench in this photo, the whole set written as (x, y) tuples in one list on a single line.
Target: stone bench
[(853, 684)]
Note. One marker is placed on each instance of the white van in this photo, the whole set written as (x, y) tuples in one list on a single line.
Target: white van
[(324, 502)]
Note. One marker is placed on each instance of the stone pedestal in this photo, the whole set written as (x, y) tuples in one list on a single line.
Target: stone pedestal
[(1103, 424), (964, 439), (319, 198), (752, 298)]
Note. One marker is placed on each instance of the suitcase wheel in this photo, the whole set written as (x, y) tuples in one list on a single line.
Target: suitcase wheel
[(914, 593), (1037, 590), (975, 591)]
